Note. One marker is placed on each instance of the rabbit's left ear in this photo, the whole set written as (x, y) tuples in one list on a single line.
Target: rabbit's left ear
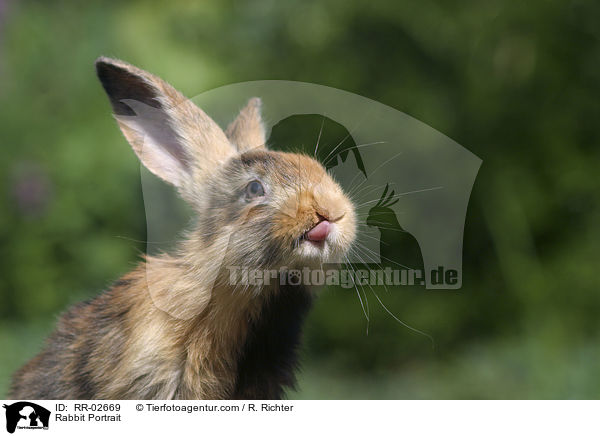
[(247, 131), (171, 136)]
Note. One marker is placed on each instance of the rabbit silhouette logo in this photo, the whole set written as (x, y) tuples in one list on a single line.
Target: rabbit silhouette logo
[(26, 415)]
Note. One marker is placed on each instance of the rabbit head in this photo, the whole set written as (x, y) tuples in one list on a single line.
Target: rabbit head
[(263, 208)]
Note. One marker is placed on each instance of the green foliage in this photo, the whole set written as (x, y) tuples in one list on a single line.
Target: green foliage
[(516, 83)]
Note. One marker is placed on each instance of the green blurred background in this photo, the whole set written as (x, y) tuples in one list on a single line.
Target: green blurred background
[(517, 83)]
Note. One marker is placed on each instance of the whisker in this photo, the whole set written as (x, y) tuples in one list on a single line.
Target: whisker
[(319, 138), (394, 316), (358, 245), (403, 194), (342, 141), (364, 117), (358, 293), (379, 167), (369, 187), (365, 295), (351, 148)]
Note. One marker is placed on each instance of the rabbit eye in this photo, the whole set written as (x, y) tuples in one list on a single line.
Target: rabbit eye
[(254, 189)]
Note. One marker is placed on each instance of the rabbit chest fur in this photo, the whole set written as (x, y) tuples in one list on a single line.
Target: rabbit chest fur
[(119, 345)]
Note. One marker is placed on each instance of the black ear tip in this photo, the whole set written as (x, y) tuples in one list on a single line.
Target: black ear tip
[(105, 60), (101, 63), (122, 81), (109, 67), (106, 68), (102, 60)]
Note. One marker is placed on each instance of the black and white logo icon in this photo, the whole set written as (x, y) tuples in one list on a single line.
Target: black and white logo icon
[(26, 415)]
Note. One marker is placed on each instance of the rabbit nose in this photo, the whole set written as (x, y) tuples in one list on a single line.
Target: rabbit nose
[(319, 232)]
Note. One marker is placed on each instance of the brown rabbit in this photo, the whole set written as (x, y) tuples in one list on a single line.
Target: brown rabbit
[(166, 331)]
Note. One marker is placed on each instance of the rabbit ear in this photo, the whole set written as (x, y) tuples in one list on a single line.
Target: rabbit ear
[(172, 137), (247, 132)]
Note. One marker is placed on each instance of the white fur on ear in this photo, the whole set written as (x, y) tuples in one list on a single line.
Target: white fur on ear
[(172, 136), (247, 131), (156, 143)]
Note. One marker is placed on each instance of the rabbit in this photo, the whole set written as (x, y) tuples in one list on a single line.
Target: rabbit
[(166, 331)]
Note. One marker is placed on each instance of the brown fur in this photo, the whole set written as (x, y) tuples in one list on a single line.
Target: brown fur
[(175, 328), (175, 358)]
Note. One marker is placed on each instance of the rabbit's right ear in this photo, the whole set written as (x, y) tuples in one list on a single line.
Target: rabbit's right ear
[(172, 137), (247, 131)]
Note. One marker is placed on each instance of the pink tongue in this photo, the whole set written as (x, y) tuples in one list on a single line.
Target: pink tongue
[(319, 232)]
